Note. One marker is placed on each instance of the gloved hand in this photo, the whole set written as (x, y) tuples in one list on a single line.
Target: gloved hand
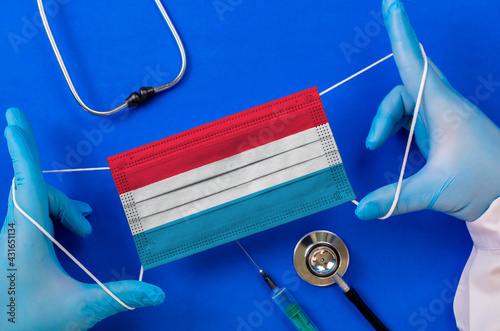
[(46, 298), (462, 146)]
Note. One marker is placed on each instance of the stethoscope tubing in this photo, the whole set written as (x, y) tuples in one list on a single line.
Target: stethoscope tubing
[(369, 315), (135, 98)]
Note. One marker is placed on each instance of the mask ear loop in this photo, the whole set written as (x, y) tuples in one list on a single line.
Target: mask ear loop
[(410, 134), (61, 247), (413, 122)]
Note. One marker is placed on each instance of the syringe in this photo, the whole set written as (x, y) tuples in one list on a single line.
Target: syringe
[(285, 301)]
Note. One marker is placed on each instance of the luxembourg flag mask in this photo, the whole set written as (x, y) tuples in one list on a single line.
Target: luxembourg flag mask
[(230, 178)]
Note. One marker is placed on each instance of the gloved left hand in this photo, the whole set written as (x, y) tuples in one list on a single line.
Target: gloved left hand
[(46, 298)]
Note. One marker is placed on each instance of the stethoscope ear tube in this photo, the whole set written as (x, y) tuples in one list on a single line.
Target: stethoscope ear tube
[(354, 297), (135, 98)]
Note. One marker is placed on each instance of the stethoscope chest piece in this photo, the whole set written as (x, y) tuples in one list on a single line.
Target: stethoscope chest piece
[(318, 256), (321, 258)]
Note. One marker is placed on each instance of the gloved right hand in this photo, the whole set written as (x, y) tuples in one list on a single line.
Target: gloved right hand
[(461, 144)]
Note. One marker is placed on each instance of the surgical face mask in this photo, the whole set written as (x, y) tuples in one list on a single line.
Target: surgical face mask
[(231, 178)]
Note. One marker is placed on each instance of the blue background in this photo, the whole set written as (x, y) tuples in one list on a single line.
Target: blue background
[(249, 54)]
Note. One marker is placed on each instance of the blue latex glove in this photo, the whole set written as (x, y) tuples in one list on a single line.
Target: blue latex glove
[(46, 297), (461, 145)]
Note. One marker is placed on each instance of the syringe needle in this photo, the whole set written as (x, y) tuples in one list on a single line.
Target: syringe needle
[(249, 256), (285, 301), (268, 279)]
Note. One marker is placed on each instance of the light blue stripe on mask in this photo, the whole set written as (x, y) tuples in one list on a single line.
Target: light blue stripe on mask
[(245, 216)]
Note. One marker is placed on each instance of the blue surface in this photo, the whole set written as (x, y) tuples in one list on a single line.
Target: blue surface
[(254, 52)]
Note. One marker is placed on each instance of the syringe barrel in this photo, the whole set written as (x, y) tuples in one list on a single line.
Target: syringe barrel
[(292, 310)]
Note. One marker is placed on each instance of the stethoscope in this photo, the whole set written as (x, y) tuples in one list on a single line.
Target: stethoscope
[(135, 98), (321, 258)]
